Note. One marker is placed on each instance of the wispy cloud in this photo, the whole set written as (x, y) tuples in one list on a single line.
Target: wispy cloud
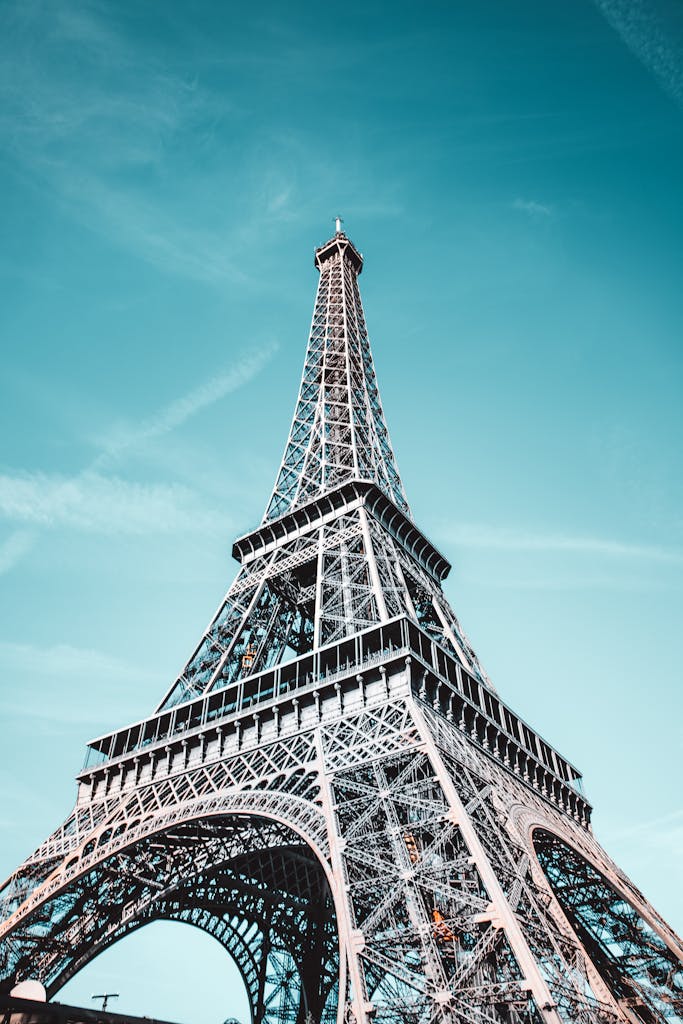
[(650, 38), (505, 539), (64, 660), (100, 146), (177, 412), (65, 674), (13, 549), (95, 503), (533, 207), (658, 837), (128, 112), (142, 226), (664, 823)]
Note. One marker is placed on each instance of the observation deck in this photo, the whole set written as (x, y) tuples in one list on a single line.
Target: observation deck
[(373, 666), (339, 244), (318, 512)]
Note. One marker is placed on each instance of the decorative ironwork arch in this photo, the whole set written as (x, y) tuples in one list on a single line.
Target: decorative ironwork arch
[(301, 815), (642, 973), (254, 881)]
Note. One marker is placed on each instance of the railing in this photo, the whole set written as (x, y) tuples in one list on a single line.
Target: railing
[(261, 689), (375, 646)]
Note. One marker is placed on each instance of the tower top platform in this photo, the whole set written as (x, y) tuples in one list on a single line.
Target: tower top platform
[(339, 244)]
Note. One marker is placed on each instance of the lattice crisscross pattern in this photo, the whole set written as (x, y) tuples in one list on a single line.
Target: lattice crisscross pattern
[(333, 789), (338, 431)]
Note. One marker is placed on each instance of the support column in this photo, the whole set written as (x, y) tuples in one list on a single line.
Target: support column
[(372, 566), (349, 968), (503, 912)]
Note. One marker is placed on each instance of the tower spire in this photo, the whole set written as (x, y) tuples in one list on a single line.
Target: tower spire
[(338, 432)]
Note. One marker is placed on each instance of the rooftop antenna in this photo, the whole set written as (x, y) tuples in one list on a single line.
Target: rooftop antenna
[(338, 225), (105, 997)]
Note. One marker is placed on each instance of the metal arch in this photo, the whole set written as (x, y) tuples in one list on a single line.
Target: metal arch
[(174, 877), (236, 948), (529, 816), (643, 974), (246, 937), (275, 806)]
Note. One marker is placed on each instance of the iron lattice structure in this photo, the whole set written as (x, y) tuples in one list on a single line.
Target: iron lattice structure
[(333, 789)]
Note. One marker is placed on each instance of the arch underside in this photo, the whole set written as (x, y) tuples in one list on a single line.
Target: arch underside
[(252, 883), (424, 933), (644, 976)]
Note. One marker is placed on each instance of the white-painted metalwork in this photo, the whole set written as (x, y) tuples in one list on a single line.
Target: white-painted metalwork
[(332, 787)]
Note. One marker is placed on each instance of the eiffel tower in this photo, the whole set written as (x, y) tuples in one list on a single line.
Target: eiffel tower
[(333, 788)]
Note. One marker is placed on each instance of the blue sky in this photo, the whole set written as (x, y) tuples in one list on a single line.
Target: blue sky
[(512, 174)]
